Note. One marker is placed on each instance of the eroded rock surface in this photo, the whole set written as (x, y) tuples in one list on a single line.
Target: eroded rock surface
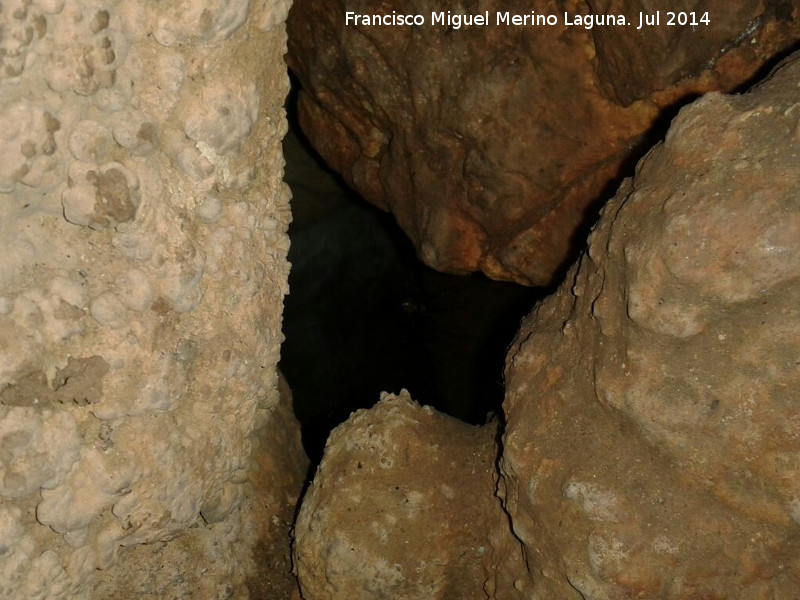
[(653, 424), (142, 270), (491, 145), (402, 507)]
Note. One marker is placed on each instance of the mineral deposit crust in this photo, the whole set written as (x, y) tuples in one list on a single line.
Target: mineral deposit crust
[(142, 270)]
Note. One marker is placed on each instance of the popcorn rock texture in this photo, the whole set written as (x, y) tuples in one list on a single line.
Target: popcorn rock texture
[(143, 242), (402, 506), (652, 425), (493, 145)]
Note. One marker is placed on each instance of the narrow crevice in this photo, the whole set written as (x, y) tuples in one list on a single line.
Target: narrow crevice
[(364, 315)]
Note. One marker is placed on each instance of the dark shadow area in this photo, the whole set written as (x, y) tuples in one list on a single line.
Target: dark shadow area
[(762, 73), (364, 315)]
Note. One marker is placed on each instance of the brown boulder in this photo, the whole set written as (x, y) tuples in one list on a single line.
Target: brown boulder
[(493, 144), (652, 428), (653, 424)]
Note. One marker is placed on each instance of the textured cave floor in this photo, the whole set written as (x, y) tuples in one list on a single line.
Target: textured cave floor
[(364, 315)]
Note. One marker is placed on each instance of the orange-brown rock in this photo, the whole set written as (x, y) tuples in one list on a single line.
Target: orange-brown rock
[(652, 407), (652, 417), (493, 145)]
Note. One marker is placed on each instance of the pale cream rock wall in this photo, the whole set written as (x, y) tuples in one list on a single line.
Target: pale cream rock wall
[(142, 268)]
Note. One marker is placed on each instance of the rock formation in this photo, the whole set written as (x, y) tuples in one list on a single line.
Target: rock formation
[(651, 446), (355, 283), (492, 145), (652, 429), (402, 507), (143, 245)]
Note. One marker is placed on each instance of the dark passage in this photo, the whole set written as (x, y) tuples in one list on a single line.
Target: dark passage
[(364, 315)]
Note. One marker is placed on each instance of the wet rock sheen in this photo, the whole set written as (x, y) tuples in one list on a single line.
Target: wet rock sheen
[(493, 145)]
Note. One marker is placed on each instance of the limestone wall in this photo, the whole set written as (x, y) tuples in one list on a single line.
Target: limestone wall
[(142, 270)]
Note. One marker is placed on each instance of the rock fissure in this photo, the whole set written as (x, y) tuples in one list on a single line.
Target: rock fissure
[(646, 450)]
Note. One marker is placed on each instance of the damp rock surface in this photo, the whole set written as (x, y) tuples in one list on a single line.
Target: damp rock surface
[(651, 447), (492, 145), (142, 269), (402, 507)]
